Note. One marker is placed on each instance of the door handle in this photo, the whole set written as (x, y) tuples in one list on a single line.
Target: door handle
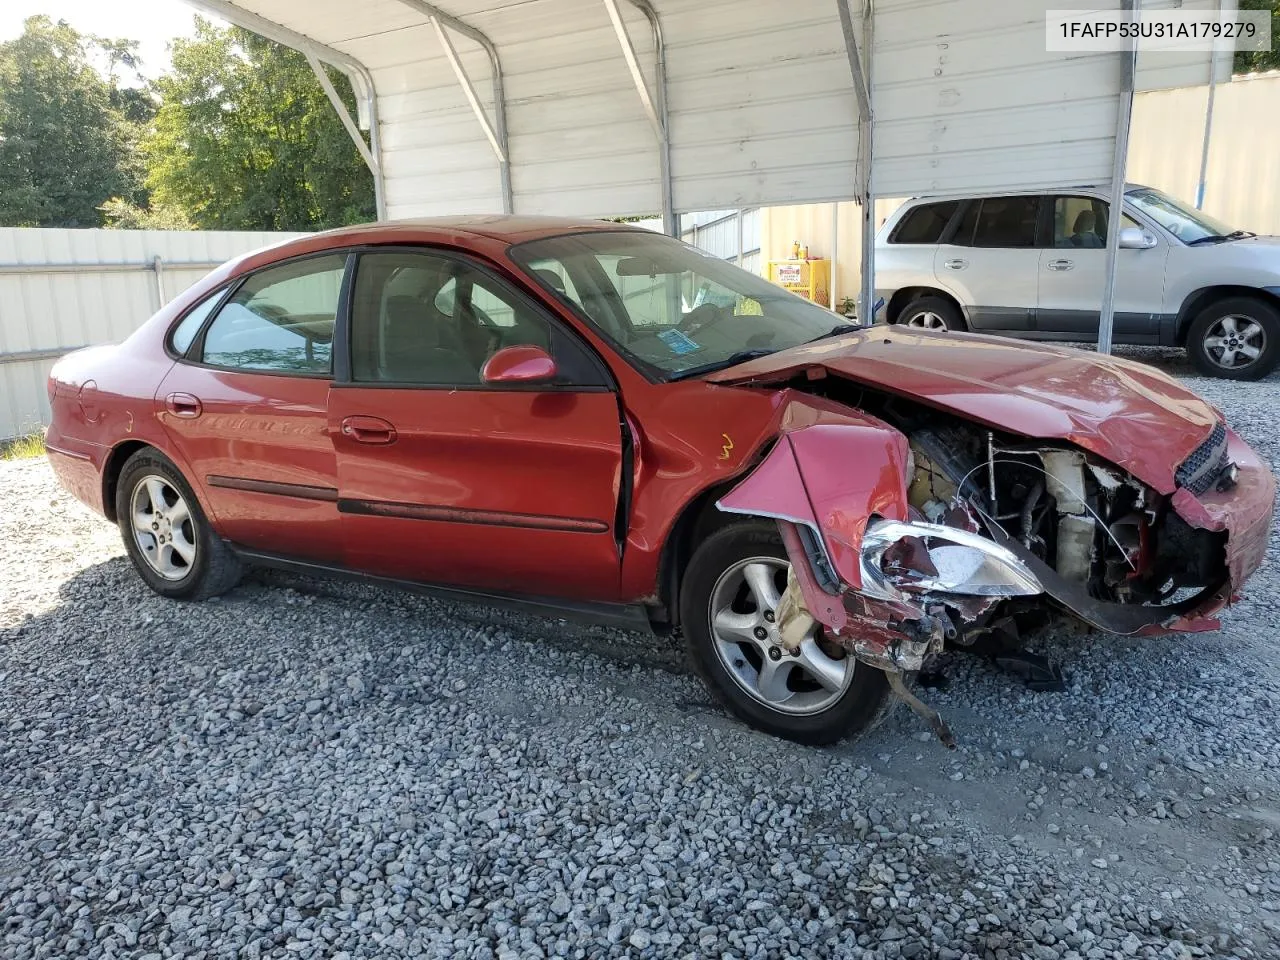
[(368, 430), (184, 405), (956, 264), (1060, 264)]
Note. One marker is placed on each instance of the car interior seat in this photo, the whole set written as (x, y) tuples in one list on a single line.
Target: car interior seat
[(417, 345)]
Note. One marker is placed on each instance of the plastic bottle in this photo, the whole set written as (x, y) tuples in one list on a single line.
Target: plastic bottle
[(795, 250), (804, 252)]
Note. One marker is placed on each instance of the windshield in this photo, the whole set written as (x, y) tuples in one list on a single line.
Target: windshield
[(673, 308), (1186, 223)]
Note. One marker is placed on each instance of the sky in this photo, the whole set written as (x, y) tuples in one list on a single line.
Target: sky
[(151, 22)]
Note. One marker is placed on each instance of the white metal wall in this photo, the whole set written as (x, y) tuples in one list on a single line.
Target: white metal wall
[(64, 289)]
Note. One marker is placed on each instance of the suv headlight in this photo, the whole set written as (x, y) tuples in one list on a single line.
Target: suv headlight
[(901, 558)]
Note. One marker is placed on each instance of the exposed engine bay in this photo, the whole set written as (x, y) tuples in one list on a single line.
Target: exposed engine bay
[(975, 535)]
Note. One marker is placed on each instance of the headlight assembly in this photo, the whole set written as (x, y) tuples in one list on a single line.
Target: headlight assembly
[(901, 558)]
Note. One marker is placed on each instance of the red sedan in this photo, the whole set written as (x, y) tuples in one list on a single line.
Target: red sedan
[(597, 420)]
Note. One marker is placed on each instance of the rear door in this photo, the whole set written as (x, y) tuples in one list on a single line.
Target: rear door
[(247, 408), (989, 259), (1072, 271), (445, 479)]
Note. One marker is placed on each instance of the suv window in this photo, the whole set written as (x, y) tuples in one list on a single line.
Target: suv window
[(280, 319), (925, 223), (1081, 222), (425, 319), (1008, 222)]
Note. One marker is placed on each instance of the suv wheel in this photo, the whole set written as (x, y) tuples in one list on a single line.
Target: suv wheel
[(730, 592), (932, 313), (167, 535), (1237, 338)]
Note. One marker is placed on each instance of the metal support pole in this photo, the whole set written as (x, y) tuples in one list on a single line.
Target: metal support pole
[(834, 283), (340, 109), (1208, 123), (860, 67), (1119, 165), (157, 264), (496, 132), (361, 77), (655, 103)]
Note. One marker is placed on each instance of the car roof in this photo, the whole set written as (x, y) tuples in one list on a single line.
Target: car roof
[(1129, 187)]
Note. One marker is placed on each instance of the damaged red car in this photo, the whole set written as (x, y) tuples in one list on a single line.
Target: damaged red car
[(594, 420)]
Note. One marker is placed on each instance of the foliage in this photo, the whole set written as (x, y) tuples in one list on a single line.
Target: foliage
[(1251, 61), (123, 214), (65, 129), (23, 448), (245, 139)]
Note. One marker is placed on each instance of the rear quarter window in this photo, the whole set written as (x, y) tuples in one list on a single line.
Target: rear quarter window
[(925, 223)]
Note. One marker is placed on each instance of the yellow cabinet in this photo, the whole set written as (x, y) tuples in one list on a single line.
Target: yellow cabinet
[(808, 278)]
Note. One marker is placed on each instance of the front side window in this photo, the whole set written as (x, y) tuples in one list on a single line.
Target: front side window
[(673, 308), (1008, 222), (280, 320), (925, 223), (421, 318), (1081, 222)]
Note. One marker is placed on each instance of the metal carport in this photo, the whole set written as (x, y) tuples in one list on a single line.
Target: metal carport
[(624, 107)]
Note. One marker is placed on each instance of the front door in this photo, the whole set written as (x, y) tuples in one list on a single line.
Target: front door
[(989, 262), (445, 479), (1072, 273), (247, 409)]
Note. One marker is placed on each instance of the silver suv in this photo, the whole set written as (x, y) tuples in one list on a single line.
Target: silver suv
[(1031, 265)]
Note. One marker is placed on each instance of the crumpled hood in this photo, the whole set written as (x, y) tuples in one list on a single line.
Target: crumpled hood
[(1127, 413)]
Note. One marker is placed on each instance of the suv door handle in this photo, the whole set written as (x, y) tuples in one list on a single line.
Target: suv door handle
[(1060, 264), (368, 430), (956, 264), (184, 405)]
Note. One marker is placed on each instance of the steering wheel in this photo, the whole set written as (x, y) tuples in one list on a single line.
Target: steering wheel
[(703, 316)]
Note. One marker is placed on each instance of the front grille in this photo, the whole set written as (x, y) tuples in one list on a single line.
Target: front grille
[(1200, 471)]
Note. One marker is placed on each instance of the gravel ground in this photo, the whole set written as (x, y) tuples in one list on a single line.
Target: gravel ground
[(318, 769)]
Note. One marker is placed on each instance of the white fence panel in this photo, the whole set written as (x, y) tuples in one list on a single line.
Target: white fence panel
[(65, 289)]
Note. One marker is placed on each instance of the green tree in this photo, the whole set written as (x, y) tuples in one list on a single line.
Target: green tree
[(64, 142), (1255, 61), (245, 139)]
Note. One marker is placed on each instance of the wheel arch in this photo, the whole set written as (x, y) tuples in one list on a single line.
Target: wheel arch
[(698, 520), (901, 298), (111, 470), (1196, 301)]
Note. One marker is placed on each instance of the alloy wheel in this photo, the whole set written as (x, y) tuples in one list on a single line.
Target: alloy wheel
[(163, 527), (928, 320), (1234, 341), (745, 636)]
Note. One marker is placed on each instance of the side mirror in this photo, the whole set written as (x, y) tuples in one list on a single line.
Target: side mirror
[(524, 364), (1135, 238)]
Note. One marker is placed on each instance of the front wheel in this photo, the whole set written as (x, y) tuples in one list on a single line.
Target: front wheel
[(167, 535), (730, 593), (1237, 338)]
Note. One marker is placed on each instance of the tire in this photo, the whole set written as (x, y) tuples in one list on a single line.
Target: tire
[(799, 709), (180, 556), (1226, 329), (932, 313)]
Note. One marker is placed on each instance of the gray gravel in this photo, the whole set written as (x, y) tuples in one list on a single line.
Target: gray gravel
[(318, 769)]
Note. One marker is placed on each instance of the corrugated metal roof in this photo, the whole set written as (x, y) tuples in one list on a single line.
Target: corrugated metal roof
[(762, 109)]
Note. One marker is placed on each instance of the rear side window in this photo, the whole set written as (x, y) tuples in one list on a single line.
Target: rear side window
[(925, 223), (1008, 222), (281, 319), (185, 332)]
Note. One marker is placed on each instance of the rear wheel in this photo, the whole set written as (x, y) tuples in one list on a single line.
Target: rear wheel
[(932, 313), (728, 600), (167, 535), (1237, 338)]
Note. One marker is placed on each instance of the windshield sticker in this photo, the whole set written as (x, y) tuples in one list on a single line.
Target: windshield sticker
[(678, 342)]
